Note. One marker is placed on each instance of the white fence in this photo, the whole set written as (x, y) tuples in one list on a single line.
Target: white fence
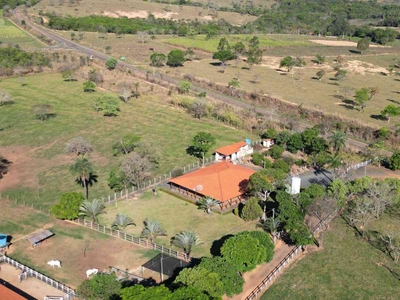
[(258, 291), (131, 239), (70, 293), (360, 165), (128, 193)]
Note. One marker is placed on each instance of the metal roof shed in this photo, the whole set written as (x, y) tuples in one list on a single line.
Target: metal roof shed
[(38, 237)]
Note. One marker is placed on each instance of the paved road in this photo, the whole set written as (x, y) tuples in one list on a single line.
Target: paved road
[(217, 96)]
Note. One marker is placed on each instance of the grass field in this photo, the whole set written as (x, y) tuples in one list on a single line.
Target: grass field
[(138, 9), (346, 268), (302, 88), (9, 34), (266, 41), (37, 149), (166, 208)]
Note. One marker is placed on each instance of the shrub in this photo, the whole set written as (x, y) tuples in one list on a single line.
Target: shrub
[(176, 172), (251, 210), (276, 151), (111, 63), (394, 161), (157, 59), (68, 207), (89, 87), (271, 133), (281, 165), (109, 106), (5, 98)]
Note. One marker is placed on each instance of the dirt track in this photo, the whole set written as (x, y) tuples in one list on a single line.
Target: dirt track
[(343, 44)]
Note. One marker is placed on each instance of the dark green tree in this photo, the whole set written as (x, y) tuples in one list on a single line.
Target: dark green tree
[(276, 151), (111, 63), (176, 58), (363, 44), (100, 287), (201, 144), (243, 252), (157, 59), (139, 292), (265, 242), (251, 210), (83, 169), (394, 161), (108, 105), (89, 87), (390, 111)]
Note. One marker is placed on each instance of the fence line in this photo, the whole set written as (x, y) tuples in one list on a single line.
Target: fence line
[(126, 274), (70, 293), (129, 192), (360, 165), (258, 291), (130, 238)]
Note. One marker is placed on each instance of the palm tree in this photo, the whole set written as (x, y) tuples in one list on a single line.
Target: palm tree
[(336, 162), (272, 226), (186, 240), (122, 221), (92, 209), (152, 229), (207, 203), (337, 140), (83, 170)]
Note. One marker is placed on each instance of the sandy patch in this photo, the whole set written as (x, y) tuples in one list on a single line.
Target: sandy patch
[(271, 62), (360, 67), (137, 14), (343, 43)]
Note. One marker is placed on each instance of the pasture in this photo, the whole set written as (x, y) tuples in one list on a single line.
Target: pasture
[(78, 248), (39, 172), (138, 9), (10, 34), (346, 267), (166, 208)]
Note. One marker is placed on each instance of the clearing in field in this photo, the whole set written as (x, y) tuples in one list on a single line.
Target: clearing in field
[(177, 215), (347, 267), (77, 248), (39, 172), (10, 34)]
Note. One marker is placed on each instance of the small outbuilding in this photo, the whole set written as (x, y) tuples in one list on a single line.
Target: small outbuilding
[(36, 238), (267, 143), (233, 152)]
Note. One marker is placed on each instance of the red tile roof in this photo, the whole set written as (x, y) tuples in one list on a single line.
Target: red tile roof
[(221, 181), (230, 149), (7, 294)]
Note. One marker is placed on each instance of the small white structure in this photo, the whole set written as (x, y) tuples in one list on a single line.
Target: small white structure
[(91, 272), (295, 185), (233, 152), (267, 143), (54, 263)]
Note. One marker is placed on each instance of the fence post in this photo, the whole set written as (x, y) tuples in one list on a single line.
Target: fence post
[(115, 196), (109, 199)]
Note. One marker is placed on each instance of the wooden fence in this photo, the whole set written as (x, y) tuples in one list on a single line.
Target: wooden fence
[(258, 291), (131, 239), (70, 293)]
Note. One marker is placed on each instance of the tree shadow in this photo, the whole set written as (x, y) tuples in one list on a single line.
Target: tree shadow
[(396, 79), (216, 64), (70, 80), (378, 117), (315, 78), (340, 97), (355, 51), (349, 102), (394, 101), (333, 83), (4, 164), (216, 246)]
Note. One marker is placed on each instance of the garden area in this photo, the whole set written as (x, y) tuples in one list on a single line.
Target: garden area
[(164, 208)]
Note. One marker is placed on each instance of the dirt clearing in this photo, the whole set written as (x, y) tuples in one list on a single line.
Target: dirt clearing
[(343, 44)]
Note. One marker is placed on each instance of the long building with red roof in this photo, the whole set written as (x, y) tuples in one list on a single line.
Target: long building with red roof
[(224, 182)]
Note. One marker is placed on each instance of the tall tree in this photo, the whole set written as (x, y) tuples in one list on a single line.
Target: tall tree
[(100, 286), (337, 140), (362, 96), (224, 52), (390, 111), (84, 171), (79, 146), (126, 144), (363, 44), (201, 143), (137, 168)]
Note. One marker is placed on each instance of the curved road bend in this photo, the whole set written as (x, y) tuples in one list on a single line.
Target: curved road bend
[(196, 88)]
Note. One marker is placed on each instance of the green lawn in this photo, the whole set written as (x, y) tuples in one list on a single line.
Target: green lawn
[(177, 215), (9, 34), (266, 41), (44, 142), (344, 269)]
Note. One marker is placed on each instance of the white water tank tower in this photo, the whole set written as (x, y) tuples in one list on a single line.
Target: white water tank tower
[(295, 185)]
